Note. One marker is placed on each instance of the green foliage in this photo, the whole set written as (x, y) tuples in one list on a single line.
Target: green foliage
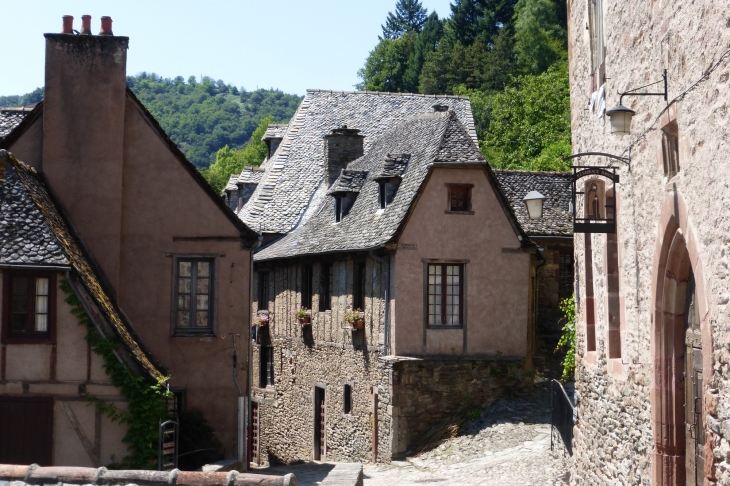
[(387, 64), (198, 444), (567, 340), (500, 53), (31, 98), (203, 117), (145, 401), (409, 17), (540, 40), (231, 161), (530, 123)]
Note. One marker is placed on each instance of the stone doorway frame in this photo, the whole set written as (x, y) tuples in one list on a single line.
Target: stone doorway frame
[(675, 256)]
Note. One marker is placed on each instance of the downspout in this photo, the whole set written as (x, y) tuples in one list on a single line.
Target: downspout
[(245, 403), (386, 312), (541, 254)]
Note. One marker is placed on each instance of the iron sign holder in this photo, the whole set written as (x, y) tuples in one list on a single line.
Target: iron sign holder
[(595, 225)]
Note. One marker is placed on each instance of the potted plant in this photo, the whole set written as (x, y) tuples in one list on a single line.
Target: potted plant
[(302, 315), (355, 319), (262, 320)]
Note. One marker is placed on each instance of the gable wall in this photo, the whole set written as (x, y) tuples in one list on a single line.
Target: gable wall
[(162, 201), (28, 148), (58, 370), (497, 283)]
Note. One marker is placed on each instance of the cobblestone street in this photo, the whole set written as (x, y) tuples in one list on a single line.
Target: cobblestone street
[(507, 445)]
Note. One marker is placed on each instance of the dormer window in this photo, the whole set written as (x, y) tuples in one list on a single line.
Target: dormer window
[(338, 208), (386, 191)]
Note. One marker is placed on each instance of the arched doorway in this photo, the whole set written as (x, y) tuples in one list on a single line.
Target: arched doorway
[(678, 364)]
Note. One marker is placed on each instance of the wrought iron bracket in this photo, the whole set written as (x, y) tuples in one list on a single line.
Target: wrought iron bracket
[(595, 224), (631, 91)]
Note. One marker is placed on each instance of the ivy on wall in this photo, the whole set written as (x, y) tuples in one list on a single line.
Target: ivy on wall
[(145, 401), (567, 340)]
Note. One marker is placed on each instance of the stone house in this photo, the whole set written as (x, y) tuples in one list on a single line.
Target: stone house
[(383, 202), (105, 201), (653, 348)]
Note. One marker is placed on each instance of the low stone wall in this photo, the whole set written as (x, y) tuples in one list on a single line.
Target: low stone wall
[(425, 392)]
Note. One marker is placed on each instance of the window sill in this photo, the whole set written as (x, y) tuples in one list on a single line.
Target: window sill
[(459, 212), (28, 340), (459, 328), (193, 334)]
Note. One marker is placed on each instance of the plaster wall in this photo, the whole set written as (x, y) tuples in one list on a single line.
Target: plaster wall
[(67, 375), (497, 272), (164, 213), (29, 145), (615, 406)]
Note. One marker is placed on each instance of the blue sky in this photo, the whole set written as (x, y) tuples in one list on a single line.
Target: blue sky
[(287, 44)]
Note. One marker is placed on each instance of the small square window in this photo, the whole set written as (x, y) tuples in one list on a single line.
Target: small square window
[(459, 198), (194, 296), (29, 306)]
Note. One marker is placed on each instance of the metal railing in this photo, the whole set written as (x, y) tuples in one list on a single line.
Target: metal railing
[(562, 415), (167, 447)]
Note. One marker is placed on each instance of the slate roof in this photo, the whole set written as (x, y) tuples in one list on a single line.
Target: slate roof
[(250, 175), (365, 226), (11, 118), (275, 130), (45, 232), (555, 186), (294, 176), (349, 181), (232, 183), (393, 166)]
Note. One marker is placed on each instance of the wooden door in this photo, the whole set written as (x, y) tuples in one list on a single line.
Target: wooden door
[(320, 422), (694, 429), (26, 430)]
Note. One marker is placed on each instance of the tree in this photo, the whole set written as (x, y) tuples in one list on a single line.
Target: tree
[(530, 123), (426, 42), (479, 18), (409, 17), (540, 39), (231, 161), (386, 66)]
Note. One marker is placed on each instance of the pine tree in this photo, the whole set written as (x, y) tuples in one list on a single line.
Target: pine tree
[(409, 17)]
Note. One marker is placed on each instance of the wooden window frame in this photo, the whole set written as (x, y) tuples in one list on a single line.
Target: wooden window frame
[(263, 290), (326, 277), (358, 285), (462, 293), (10, 337), (209, 330), (467, 189), (307, 286)]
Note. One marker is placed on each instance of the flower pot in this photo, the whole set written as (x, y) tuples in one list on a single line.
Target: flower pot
[(304, 320), (358, 324), (263, 324)]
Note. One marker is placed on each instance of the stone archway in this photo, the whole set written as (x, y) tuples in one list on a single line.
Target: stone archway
[(676, 261)]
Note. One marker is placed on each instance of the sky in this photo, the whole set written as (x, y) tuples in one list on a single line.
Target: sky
[(291, 45)]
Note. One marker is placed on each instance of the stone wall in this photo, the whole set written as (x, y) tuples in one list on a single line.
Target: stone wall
[(425, 392), (615, 439)]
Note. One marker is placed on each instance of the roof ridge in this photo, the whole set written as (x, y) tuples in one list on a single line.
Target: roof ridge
[(546, 172), (388, 93)]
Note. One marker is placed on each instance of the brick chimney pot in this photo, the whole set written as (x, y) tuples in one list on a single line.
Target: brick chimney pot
[(85, 25), (68, 24), (106, 26)]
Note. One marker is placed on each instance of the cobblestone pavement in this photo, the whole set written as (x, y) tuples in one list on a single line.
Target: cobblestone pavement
[(507, 445)]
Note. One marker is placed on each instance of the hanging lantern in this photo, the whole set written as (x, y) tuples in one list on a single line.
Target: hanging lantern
[(620, 119), (534, 201)]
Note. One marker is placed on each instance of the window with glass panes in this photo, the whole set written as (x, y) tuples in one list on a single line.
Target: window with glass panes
[(28, 306), (459, 198), (445, 294), (194, 295)]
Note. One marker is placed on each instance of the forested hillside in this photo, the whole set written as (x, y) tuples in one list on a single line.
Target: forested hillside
[(200, 117), (508, 56)]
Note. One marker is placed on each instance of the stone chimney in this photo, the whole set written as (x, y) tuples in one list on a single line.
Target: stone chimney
[(83, 135), (341, 146)]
